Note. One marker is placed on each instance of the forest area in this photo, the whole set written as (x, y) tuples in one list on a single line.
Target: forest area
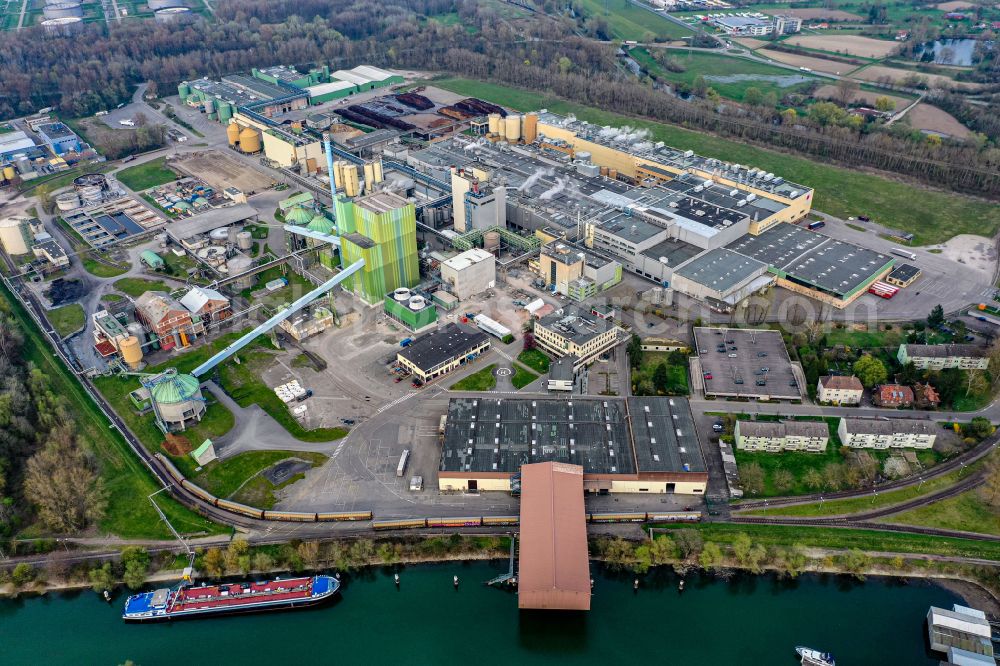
[(96, 68), (45, 473)]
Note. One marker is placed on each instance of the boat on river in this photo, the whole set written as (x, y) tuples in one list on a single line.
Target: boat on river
[(811, 657), (187, 601)]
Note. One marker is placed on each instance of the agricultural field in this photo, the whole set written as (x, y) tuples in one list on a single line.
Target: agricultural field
[(933, 119), (854, 45), (864, 97), (899, 76), (631, 23), (814, 63), (932, 216), (730, 77)]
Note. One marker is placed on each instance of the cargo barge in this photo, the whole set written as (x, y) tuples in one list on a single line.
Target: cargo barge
[(229, 598)]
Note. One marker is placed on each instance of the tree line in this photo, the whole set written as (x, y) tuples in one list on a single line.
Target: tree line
[(46, 475), (97, 66)]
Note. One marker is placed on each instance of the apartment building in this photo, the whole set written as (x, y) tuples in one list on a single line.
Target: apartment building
[(939, 357), (839, 390), (775, 437), (886, 433)]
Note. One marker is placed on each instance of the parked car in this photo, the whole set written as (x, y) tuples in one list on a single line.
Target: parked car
[(708, 375)]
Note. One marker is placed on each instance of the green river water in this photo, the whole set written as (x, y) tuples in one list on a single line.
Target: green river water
[(749, 620)]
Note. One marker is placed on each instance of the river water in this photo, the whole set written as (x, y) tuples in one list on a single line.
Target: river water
[(750, 620)]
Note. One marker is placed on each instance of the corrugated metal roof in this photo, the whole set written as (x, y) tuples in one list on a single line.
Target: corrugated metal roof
[(553, 568)]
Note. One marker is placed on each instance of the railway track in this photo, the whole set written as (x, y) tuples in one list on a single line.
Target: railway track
[(972, 455)]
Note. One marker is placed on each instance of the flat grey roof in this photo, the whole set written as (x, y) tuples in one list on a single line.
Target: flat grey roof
[(813, 260), (721, 269), (747, 366), (212, 219), (944, 351), (500, 435), (784, 428), (888, 426), (575, 324), (442, 345), (561, 369), (676, 252), (904, 272)]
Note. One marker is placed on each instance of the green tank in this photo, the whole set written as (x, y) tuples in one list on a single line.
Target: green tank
[(225, 112), (183, 90)]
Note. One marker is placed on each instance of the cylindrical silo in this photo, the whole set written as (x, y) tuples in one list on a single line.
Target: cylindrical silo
[(351, 186), (67, 202), (379, 177), (369, 176), (240, 263), (177, 399), (9, 173), (225, 112), (491, 241), (249, 140), (233, 133), (530, 127), (494, 123), (512, 128), (62, 26), (131, 351), (172, 14), (244, 240), (183, 91), (209, 106), (15, 236)]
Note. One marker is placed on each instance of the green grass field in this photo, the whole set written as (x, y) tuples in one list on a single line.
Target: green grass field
[(136, 287), (223, 478), (628, 22), (677, 374), (535, 359), (966, 512), (711, 65), (932, 216), (481, 380), (67, 319), (522, 376), (864, 339), (130, 514), (144, 176), (842, 538), (102, 270)]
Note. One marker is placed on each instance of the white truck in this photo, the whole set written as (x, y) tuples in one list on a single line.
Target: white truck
[(127, 122)]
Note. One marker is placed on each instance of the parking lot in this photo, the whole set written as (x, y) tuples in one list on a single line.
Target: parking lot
[(747, 363)]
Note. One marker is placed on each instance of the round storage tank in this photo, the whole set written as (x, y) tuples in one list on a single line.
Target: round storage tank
[(512, 128), (250, 140), (491, 240), (240, 263), (68, 201), (155, 5), (14, 235), (494, 120), (62, 26), (209, 106), (63, 10), (183, 90), (417, 303), (583, 156), (225, 112), (177, 399), (244, 240), (402, 294), (131, 351), (220, 235), (171, 14), (233, 133), (8, 173)]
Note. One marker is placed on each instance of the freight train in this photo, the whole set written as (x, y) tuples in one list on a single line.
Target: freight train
[(253, 512), (492, 521)]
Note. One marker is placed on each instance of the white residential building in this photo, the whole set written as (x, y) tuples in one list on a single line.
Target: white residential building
[(775, 437), (939, 357), (886, 433), (839, 390)]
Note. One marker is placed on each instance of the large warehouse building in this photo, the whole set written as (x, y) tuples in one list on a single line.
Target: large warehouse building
[(633, 445)]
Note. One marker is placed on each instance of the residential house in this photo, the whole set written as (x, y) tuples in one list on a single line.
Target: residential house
[(892, 395), (925, 397), (839, 390), (886, 433)]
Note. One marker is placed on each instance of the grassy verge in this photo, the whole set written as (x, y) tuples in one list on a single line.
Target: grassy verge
[(67, 319), (864, 339), (481, 380), (966, 512), (102, 270), (144, 176), (129, 513), (522, 376), (535, 359), (136, 287), (867, 503), (223, 478), (842, 538), (932, 216)]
